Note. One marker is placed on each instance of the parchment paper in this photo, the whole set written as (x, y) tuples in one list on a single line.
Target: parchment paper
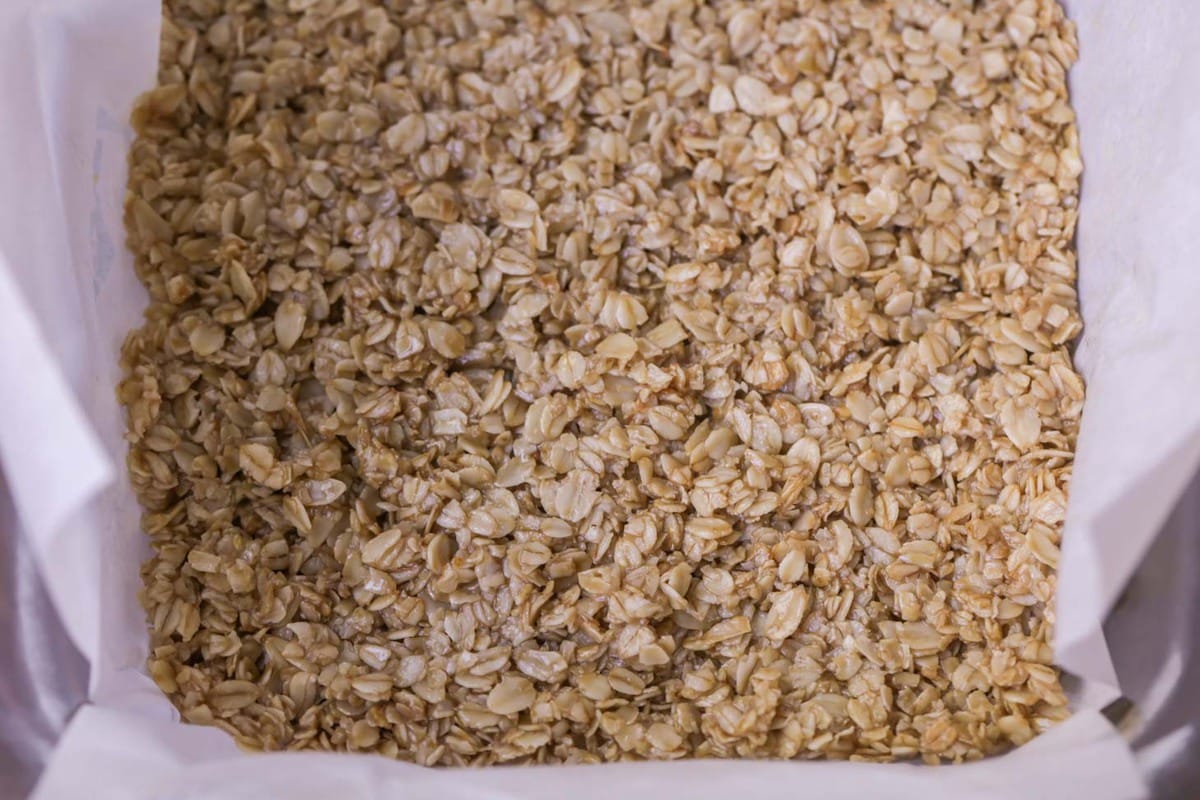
[(69, 71)]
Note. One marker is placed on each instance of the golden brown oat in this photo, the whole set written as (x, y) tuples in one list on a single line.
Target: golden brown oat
[(569, 382)]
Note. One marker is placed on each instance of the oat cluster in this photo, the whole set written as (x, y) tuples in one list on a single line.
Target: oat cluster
[(580, 381)]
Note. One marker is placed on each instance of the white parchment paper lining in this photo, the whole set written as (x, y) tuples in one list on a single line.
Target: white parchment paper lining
[(69, 71)]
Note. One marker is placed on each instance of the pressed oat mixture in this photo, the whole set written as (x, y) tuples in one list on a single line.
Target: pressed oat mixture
[(579, 381)]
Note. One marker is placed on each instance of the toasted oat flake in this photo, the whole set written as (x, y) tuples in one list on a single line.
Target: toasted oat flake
[(535, 382)]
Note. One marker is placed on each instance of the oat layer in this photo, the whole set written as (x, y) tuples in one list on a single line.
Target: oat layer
[(582, 381)]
